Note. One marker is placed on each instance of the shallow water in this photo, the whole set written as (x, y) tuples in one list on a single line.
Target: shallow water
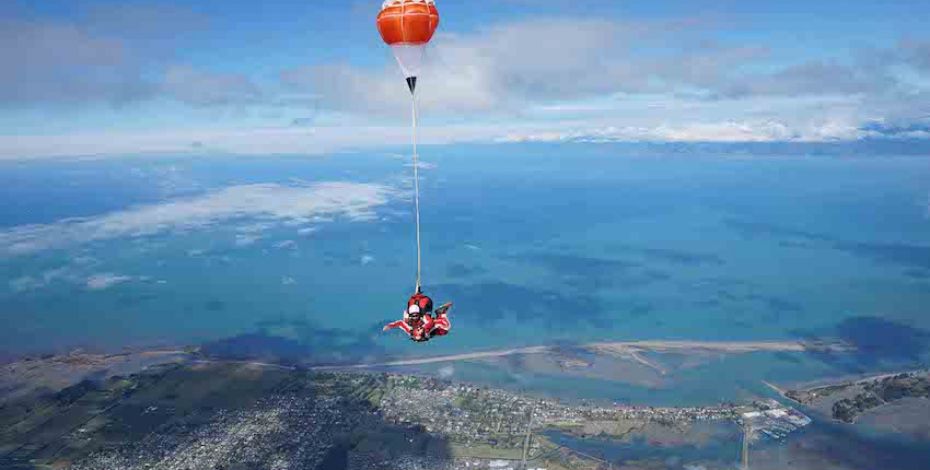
[(723, 451), (822, 444)]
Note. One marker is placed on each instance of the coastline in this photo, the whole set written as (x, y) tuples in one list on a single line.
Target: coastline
[(641, 364), (621, 348)]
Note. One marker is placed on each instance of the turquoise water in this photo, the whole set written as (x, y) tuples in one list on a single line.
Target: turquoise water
[(819, 445), (723, 451), (535, 244)]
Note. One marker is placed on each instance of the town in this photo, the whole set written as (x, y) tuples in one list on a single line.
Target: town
[(230, 416)]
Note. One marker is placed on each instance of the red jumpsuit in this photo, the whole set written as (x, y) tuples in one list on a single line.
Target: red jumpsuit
[(439, 326)]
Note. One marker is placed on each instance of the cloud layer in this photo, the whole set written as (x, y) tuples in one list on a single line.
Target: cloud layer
[(104, 281), (76, 273), (48, 62), (274, 203), (516, 78), (116, 55), (506, 67)]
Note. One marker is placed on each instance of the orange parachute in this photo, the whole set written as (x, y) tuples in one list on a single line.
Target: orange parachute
[(409, 22), (407, 26)]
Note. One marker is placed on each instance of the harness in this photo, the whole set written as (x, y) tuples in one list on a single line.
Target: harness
[(424, 303)]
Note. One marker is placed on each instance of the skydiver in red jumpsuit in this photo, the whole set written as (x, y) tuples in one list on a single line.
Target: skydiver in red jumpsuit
[(419, 321)]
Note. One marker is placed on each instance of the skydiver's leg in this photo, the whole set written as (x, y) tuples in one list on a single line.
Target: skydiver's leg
[(443, 309), (441, 326)]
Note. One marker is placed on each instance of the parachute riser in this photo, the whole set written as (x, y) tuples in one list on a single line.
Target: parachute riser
[(411, 84), (407, 27)]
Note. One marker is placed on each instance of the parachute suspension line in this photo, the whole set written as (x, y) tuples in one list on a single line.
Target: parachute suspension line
[(416, 174)]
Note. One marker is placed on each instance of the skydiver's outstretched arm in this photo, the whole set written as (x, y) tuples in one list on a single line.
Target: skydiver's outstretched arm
[(397, 324)]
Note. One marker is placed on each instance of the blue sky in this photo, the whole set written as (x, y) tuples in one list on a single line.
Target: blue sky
[(281, 77)]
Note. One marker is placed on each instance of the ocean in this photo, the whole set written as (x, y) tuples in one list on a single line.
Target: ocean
[(306, 257)]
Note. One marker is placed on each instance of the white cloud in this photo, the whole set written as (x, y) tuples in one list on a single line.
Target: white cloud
[(760, 130), (558, 79), (286, 245), (25, 283), (588, 79), (246, 240), (496, 69), (71, 274), (421, 165), (51, 62), (254, 228), (367, 259), (446, 371), (288, 281), (264, 202), (92, 55), (555, 79), (39, 281), (260, 141), (729, 131), (680, 123), (103, 281), (507, 68)]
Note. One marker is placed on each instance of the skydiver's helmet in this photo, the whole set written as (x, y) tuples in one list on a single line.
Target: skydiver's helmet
[(414, 312)]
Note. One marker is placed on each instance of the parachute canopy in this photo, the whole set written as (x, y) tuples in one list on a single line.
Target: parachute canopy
[(410, 22), (407, 26)]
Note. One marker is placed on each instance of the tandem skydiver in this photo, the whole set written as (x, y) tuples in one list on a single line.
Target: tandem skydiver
[(419, 320)]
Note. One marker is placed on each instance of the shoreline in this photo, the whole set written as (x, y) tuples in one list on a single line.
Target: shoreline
[(630, 349), (638, 363), (853, 379), (624, 348), (613, 348)]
